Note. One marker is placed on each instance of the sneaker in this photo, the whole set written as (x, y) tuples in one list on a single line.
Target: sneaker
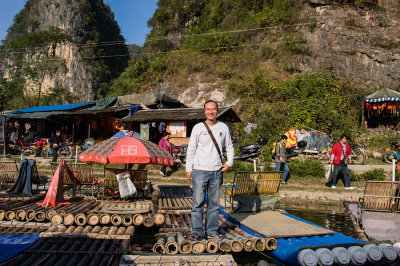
[(351, 188), (194, 237), (213, 236), (163, 174), (333, 186)]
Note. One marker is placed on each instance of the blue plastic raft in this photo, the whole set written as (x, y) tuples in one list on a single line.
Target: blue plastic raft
[(288, 248), (12, 245)]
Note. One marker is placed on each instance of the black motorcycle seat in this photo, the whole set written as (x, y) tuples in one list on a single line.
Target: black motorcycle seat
[(353, 147), (248, 147)]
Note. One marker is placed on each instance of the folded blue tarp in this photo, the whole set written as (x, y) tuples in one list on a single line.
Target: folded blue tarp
[(12, 245), (52, 108)]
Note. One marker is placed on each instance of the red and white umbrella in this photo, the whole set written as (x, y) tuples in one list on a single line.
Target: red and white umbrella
[(127, 150)]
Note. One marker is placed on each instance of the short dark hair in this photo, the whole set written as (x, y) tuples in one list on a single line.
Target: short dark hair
[(58, 131), (210, 101), (343, 136), (165, 133), (283, 137)]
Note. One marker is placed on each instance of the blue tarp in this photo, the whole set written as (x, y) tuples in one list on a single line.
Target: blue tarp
[(51, 108), (11, 245)]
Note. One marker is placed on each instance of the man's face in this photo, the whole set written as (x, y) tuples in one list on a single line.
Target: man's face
[(58, 133), (210, 110), (344, 140), (283, 140)]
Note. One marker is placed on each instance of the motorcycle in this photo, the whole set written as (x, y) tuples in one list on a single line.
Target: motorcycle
[(392, 152), (180, 152), (66, 149), (252, 152)]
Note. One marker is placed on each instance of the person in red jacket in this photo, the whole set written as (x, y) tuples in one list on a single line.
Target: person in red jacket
[(340, 152)]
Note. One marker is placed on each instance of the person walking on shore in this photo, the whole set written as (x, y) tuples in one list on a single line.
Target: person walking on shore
[(166, 145), (204, 167), (281, 158), (55, 144), (341, 152)]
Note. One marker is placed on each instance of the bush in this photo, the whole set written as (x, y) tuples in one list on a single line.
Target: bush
[(310, 167), (239, 166), (375, 174)]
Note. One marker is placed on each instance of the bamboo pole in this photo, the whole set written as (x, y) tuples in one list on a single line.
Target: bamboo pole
[(171, 247)]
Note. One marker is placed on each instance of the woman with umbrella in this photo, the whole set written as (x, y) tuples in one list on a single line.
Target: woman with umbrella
[(167, 146)]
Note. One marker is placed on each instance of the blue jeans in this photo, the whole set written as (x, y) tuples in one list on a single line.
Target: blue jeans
[(285, 169), (205, 182), (346, 173)]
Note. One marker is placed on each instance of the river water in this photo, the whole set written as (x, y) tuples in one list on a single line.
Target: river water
[(328, 215)]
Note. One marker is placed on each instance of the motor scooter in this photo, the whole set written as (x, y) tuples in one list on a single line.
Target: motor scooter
[(252, 152)]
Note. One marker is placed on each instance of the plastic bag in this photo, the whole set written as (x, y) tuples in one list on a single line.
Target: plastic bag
[(329, 173), (126, 187)]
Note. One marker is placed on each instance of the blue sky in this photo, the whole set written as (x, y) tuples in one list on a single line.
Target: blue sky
[(131, 15)]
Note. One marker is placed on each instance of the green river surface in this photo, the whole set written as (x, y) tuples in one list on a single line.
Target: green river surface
[(329, 215)]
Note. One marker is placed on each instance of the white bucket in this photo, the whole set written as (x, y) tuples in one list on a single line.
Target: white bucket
[(357, 255), (389, 253), (307, 257), (374, 254), (325, 257), (341, 255)]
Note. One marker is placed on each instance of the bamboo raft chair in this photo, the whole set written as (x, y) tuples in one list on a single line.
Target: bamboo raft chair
[(253, 184), (381, 196), (82, 172), (8, 173)]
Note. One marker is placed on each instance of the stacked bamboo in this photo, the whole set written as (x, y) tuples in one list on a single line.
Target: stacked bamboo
[(231, 238), (97, 232), (126, 214), (183, 203), (174, 191), (8, 202), (73, 252), (12, 230)]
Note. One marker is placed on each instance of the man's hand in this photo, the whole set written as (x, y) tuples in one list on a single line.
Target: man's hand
[(189, 175), (331, 162), (281, 159), (225, 168), (350, 160)]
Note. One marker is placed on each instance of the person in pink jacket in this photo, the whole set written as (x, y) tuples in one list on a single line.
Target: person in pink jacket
[(166, 145)]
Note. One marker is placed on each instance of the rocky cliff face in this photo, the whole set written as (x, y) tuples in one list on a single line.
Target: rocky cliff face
[(87, 66), (362, 45)]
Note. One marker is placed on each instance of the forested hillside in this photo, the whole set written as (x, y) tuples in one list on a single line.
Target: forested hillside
[(284, 63)]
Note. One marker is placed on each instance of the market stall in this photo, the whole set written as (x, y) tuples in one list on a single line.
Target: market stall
[(381, 109)]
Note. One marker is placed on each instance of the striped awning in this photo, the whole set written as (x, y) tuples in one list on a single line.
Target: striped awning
[(383, 99)]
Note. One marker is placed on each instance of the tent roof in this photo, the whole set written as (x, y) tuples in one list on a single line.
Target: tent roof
[(148, 98), (383, 95), (51, 108), (37, 115), (226, 114)]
